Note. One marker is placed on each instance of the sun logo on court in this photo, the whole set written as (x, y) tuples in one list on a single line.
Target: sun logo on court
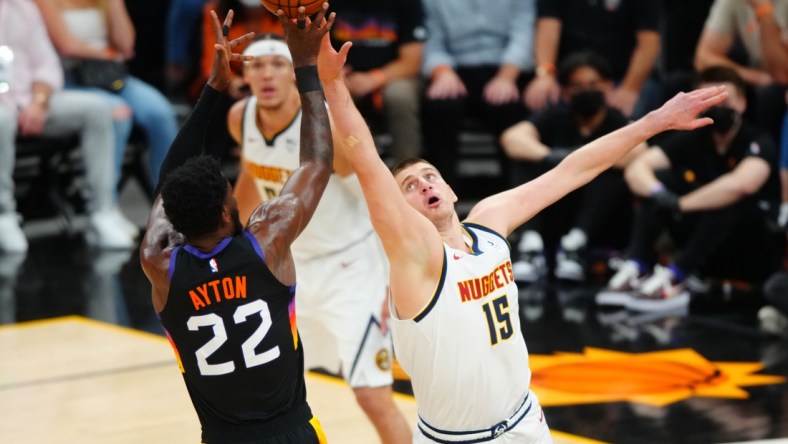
[(655, 378)]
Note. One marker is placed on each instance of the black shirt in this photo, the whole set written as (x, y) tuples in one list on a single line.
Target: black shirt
[(608, 27), (232, 325), (377, 29), (693, 156), (557, 126)]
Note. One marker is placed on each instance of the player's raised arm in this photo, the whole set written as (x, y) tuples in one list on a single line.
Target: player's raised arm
[(286, 216), (411, 241), (506, 211)]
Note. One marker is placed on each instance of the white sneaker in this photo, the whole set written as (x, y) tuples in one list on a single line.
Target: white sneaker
[(104, 232), (12, 238), (772, 321), (658, 292), (530, 268), (619, 290), (124, 222), (569, 266)]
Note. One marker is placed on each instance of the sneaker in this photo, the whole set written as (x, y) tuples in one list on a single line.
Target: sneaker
[(658, 292), (772, 321), (104, 232), (12, 238), (124, 223), (570, 265), (531, 267), (620, 288)]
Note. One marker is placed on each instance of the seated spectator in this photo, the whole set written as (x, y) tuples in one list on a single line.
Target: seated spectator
[(383, 75), (625, 32), (477, 58), (716, 190), (761, 27), (543, 141), (34, 105), (96, 29)]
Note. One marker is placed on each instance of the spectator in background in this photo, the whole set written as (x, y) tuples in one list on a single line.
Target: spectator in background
[(717, 190), (181, 33), (33, 104), (477, 57), (98, 29), (543, 141), (383, 68), (249, 16), (761, 27), (625, 32)]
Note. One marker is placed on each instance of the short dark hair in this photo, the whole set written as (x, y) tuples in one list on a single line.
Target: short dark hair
[(406, 163), (723, 74), (576, 60), (194, 196)]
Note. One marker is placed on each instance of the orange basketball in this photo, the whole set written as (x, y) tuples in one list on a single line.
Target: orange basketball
[(290, 7)]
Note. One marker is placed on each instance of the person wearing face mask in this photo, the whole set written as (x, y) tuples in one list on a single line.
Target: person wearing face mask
[(717, 193), (591, 214)]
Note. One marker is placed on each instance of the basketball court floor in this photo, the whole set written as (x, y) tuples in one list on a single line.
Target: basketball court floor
[(84, 361)]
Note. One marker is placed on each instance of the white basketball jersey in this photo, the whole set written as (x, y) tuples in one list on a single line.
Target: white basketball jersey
[(465, 352), (341, 217)]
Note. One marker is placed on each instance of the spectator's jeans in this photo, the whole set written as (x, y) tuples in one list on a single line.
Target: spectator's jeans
[(152, 112), (70, 112)]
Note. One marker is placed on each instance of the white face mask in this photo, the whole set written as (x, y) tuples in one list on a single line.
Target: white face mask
[(250, 3)]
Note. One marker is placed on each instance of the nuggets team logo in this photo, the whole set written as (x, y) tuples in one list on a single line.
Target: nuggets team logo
[(214, 266), (383, 360)]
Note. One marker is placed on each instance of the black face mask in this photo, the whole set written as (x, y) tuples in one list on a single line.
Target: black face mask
[(586, 103), (724, 118)]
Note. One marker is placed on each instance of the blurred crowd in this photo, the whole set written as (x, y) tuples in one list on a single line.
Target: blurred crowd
[(544, 77)]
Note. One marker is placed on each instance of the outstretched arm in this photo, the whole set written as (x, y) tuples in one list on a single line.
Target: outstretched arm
[(193, 136), (412, 242), (506, 211), (277, 222)]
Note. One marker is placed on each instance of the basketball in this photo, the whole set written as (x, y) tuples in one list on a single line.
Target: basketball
[(290, 7)]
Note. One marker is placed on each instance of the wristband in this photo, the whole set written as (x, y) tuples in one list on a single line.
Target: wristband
[(307, 79), (545, 69), (764, 10)]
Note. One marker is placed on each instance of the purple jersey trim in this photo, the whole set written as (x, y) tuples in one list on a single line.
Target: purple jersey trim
[(211, 253), (171, 266), (255, 244)]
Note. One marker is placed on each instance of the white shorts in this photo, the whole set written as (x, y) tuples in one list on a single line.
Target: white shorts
[(339, 301), (531, 428)]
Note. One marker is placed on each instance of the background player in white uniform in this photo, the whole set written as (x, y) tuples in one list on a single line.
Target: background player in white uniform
[(456, 328), (342, 271)]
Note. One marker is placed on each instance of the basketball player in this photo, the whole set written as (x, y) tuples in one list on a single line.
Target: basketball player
[(224, 294), (342, 271), (455, 315)]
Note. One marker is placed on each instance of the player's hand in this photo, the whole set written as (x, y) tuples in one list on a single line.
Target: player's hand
[(681, 112), (330, 63), (304, 36), (385, 314), (223, 52)]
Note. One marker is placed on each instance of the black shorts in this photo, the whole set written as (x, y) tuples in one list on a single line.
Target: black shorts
[(297, 427)]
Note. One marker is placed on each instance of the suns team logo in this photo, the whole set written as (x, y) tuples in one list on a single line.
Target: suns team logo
[(383, 360)]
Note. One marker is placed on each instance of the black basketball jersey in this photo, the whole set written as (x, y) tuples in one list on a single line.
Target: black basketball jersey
[(232, 326)]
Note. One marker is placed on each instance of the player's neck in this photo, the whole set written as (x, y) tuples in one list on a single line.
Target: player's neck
[(210, 241), (271, 121), (452, 234)]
